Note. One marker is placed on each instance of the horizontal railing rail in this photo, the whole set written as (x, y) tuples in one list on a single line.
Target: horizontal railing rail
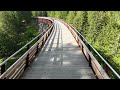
[(88, 53), (25, 59), (22, 48)]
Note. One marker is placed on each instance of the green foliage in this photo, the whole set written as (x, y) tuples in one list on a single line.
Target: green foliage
[(70, 16), (15, 31), (77, 20), (64, 15), (58, 14), (100, 28), (1, 60), (30, 33), (39, 13), (51, 14)]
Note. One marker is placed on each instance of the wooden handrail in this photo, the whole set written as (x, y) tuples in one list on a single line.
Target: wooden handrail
[(18, 67), (80, 39), (22, 48)]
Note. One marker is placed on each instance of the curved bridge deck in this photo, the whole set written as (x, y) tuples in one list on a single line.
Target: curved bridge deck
[(60, 58)]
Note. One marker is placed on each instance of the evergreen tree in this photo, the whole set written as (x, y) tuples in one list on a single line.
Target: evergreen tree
[(12, 31), (70, 17)]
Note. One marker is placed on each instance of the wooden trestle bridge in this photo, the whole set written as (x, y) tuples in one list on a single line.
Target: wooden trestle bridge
[(59, 52)]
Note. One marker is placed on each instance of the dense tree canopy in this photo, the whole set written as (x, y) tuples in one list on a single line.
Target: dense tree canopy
[(12, 31), (39, 13)]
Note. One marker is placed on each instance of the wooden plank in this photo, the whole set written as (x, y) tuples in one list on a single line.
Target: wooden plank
[(98, 74), (20, 72), (98, 69), (32, 55), (40, 44), (11, 72), (86, 53), (16, 72), (33, 52), (95, 65), (79, 43), (60, 63), (14, 66)]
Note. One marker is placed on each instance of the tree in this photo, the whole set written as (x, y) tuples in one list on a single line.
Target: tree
[(39, 13), (70, 17), (51, 13), (12, 31)]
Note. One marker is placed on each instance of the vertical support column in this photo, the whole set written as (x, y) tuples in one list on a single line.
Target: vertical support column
[(107, 70), (2, 68), (37, 46), (27, 58), (89, 56), (90, 61), (78, 42), (37, 49), (42, 41), (28, 46), (38, 38)]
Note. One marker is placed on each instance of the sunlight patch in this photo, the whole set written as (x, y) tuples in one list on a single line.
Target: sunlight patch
[(66, 63), (54, 59)]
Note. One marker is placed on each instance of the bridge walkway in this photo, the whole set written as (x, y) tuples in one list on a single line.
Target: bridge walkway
[(60, 58)]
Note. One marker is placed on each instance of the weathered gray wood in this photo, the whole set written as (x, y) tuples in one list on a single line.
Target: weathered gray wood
[(17, 71), (60, 58), (12, 69), (101, 74), (20, 72), (99, 71)]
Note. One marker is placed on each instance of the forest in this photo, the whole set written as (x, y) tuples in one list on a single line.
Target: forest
[(100, 28), (16, 29)]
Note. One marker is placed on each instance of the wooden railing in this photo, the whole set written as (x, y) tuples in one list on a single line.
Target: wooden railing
[(17, 68), (105, 72)]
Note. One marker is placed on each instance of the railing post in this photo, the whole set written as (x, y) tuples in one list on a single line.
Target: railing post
[(89, 55), (37, 48), (81, 37), (82, 48), (2, 68), (38, 38), (28, 46), (107, 70), (46, 37), (90, 61), (49, 32), (27, 60), (78, 42), (43, 41)]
